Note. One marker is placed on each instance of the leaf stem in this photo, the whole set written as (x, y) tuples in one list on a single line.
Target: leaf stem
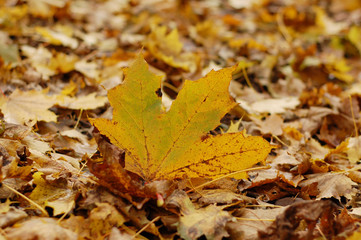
[(27, 199), (256, 219), (145, 227), (227, 175), (353, 117)]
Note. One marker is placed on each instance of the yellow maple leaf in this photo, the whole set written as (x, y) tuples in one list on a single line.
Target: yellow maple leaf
[(174, 144)]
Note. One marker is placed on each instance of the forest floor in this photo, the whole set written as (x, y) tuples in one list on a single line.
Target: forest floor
[(283, 105)]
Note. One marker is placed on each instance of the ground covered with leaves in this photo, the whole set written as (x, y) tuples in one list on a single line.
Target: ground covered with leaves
[(179, 119)]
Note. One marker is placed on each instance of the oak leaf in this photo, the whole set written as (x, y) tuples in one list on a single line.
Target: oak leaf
[(175, 144)]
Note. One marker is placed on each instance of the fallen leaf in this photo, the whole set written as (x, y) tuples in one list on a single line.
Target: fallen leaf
[(221, 196), (40, 229), (59, 37), (271, 125), (169, 145), (331, 184), (9, 53), (274, 106), (10, 215), (10, 153), (288, 224), (89, 69), (168, 48), (102, 219), (41, 59), (60, 197), (251, 221), (355, 235), (87, 102), (209, 221), (27, 107)]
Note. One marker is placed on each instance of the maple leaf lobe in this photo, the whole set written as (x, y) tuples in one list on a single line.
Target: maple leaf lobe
[(168, 145)]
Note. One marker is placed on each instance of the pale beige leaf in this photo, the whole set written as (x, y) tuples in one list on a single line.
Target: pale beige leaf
[(331, 184), (27, 107), (40, 229), (87, 102)]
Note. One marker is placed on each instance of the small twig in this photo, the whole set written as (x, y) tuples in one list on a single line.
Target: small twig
[(145, 227), (64, 215), (27, 199), (3, 233), (246, 77), (79, 117), (323, 235), (171, 87), (353, 117), (272, 206), (282, 27), (227, 175), (255, 219), (2, 93), (277, 138)]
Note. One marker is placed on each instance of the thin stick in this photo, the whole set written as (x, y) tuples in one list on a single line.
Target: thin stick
[(82, 167), (64, 215), (272, 206), (171, 87), (2, 93), (323, 235), (353, 116), (27, 199), (227, 175), (246, 77), (3, 233), (282, 27), (77, 122), (255, 219), (277, 138), (145, 227)]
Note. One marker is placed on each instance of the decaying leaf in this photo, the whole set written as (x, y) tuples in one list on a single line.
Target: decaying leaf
[(174, 144), (309, 220), (100, 222)]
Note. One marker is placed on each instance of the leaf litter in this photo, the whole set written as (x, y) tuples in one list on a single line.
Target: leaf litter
[(174, 143)]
